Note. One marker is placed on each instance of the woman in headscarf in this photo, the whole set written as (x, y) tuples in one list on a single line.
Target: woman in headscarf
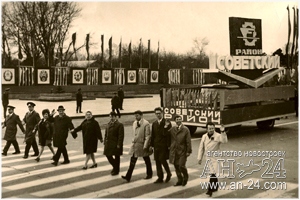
[(91, 132)]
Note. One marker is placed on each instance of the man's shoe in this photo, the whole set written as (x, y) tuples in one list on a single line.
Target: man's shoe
[(34, 155), (65, 162), (4, 154), (168, 178), (148, 177), (25, 156), (184, 182), (114, 173), (37, 159), (178, 184), (124, 177), (209, 193), (159, 181), (16, 152), (54, 163)]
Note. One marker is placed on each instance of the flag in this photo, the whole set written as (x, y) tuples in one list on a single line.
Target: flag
[(74, 41), (87, 46), (289, 35), (294, 35), (149, 54), (102, 47), (120, 52), (158, 56), (129, 54), (297, 31), (141, 53), (19, 47), (110, 50)]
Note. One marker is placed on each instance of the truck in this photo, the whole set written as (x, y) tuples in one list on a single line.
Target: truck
[(235, 97)]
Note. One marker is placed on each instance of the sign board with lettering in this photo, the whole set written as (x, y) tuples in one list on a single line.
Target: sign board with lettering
[(245, 36)]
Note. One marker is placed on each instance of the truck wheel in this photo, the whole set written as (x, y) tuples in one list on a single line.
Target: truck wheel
[(266, 125), (192, 129)]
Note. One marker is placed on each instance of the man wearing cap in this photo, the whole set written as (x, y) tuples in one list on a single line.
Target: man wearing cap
[(62, 125), (31, 119), (11, 122), (121, 97), (5, 100), (115, 104), (78, 101), (140, 146)]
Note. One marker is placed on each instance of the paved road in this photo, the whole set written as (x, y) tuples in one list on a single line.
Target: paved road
[(28, 179), (99, 107)]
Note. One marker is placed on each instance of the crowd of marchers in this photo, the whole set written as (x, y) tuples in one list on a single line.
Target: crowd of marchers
[(165, 141)]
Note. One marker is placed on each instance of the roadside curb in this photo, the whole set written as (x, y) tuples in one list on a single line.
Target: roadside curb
[(106, 115)]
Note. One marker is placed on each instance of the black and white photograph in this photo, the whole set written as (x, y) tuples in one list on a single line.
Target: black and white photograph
[(150, 99)]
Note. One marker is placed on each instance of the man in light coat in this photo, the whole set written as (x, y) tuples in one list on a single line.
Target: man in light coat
[(140, 145), (211, 142), (180, 149)]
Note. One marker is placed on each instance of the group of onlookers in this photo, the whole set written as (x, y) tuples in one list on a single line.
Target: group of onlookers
[(168, 142)]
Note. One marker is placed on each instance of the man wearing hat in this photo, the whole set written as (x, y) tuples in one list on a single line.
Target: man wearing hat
[(31, 119), (78, 101), (11, 122), (115, 104), (5, 100), (62, 125)]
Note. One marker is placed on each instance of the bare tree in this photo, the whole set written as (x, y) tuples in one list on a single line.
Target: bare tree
[(41, 27), (199, 45)]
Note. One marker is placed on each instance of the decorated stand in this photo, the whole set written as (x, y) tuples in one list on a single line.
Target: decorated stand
[(247, 92)]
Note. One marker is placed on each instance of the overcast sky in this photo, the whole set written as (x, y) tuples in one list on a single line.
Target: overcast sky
[(176, 24)]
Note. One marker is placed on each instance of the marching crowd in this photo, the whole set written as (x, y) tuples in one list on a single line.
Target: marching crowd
[(167, 142)]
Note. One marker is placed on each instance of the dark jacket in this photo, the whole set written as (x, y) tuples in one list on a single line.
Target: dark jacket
[(115, 102), (180, 145), (62, 125), (160, 140), (11, 127), (114, 136), (31, 120), (79, 97), (121, 94), (5, 99), (91, 133), (45, 129)]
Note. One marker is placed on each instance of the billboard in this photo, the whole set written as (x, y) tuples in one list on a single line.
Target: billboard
[(245, 36)]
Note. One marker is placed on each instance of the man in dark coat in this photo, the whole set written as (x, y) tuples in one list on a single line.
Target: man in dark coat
[(113, 142), (62, 125), (11, 122), (121, 97), (31, 119), (115, 103), (160, 140), (78, 101), (5, 100), (91, 133), (180, 149)]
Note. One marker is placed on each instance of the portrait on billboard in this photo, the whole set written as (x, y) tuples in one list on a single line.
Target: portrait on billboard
[(106, 76), (77, 76), (154, 77), (8, 76), (43, 76), (131, 76)]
